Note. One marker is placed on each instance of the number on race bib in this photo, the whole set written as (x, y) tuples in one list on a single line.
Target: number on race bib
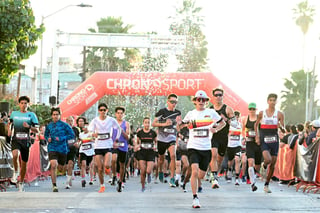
[(270, 139), (201, 133)]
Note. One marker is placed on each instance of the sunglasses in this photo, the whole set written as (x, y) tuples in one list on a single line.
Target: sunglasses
[(218, 95), (173, 102), (252, 109), (102, 110), (201, 99)]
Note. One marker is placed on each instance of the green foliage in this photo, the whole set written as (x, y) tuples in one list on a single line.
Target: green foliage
[(18, 36), (189, 22), (294, 97), (303, 14)]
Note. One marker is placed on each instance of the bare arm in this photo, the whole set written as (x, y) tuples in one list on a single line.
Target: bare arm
[(259, 118)]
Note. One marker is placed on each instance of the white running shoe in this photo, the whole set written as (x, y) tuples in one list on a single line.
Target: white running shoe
[(68, 186), (266, 189), (237, 182), (21, 187), (15, 176), (196, 203), (215, 184)]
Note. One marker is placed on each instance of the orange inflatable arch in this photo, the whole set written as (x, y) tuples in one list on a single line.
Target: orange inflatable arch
[(145, 83)]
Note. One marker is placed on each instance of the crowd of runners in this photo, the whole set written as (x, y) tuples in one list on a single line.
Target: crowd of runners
[(179, 149)]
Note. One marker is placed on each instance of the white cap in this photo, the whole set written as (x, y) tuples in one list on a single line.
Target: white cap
[(201, 94), (316, 123)]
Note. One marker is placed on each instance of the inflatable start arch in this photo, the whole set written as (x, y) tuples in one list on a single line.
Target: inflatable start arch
[(145, 83)]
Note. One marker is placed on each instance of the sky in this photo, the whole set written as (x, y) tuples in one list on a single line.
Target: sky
[(253, 45)]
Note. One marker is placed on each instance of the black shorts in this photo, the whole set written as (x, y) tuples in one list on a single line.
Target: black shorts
[(146, 155), (23, 146), (233, 151), (201, 157), (71, 154), (88, 159), (272, 147), (60, 157), (102, 151), (254, 151), (163, 146), (122, 156), (180, 152), (221, 144)]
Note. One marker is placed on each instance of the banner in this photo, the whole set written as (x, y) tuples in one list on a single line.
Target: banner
[(100, 84)]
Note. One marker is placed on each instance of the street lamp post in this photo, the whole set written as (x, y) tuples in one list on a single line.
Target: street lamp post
[(41, 44)]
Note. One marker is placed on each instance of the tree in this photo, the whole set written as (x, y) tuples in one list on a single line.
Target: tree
[(18, 36), (294, 98), (303, 15), (189, 22)]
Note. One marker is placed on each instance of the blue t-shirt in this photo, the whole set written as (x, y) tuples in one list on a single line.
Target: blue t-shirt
[(19, 131), (63, 131)]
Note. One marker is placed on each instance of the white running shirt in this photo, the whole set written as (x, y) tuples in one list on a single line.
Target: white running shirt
[(200, 137), (87, 146), (104, 128)]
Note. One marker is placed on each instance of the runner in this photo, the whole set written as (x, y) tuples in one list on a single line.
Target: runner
[(146, 142), (57, 133), (101, 128), (234, 151), (267, 135), (86, 154), (199, 146), (121, 152), (72, 151), (166, 120), (182, 155), (24, 123), (219, 141), (253, 150)]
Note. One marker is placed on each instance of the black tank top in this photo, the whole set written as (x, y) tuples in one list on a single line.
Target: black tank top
[(250, 127), (225, 130)]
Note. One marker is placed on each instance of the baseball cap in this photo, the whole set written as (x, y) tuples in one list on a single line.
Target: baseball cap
[(316, 123), (252, 105), (201, 94)]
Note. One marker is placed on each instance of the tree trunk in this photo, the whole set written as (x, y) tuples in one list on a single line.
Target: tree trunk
[(312, 91)]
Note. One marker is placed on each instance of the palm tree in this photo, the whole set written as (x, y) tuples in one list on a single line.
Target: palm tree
[(303, 15)]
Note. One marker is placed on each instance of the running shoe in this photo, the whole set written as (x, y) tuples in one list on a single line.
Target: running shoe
[(15, 176), (183, 186), (244, 179), (229, 177), (68, 186), (172, 182), (248, 181), (215, 184), (176, 182), (199, 189), (83, 183), (149, 178), (21, 187), (237, 182), (263, 171), (196, 203), (182, 178), (211, 177), (143, 189), (119, 187), (102, 189), (161, 177), (91, 182), (114, 180), (254, 187), (266, 189), (55, 189)]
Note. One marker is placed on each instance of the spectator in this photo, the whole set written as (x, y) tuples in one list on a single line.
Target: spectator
[(300, 129), (315, 125)]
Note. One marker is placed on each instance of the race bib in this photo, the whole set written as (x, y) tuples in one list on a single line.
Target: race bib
[(169, 130), (269, 122), (251, 133), (235, 137), (104, 136), (21, 135), (147, 145), (248, 139), (270, 139), (201, 133), (120, 144), (86, 146), (71, 141)]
